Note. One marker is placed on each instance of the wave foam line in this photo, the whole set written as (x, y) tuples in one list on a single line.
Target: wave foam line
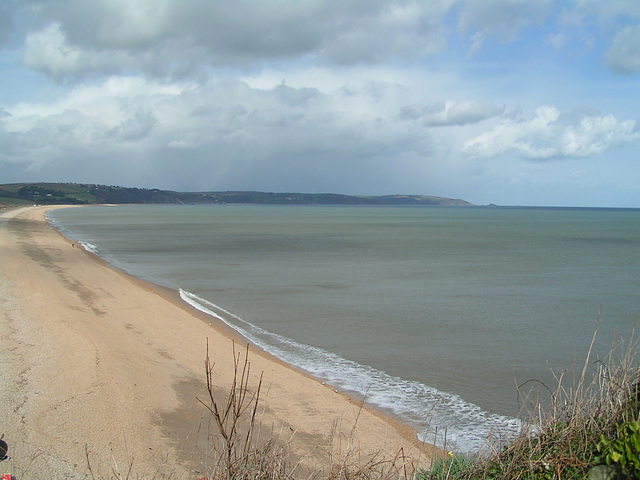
[(89, 247), (67, 233), (466, 425)]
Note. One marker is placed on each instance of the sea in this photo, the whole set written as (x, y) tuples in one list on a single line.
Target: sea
[(449, 319)]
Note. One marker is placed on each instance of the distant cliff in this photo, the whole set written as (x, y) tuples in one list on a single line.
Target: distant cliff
[(86, 194)]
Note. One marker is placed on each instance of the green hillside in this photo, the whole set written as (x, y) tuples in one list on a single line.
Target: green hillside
[(86, 194)]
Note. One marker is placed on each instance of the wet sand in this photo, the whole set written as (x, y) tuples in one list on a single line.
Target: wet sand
[(102, 372)]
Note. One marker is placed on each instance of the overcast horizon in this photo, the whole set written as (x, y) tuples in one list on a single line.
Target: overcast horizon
[(512, 102)]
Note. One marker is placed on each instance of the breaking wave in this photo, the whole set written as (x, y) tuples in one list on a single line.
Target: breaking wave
[(441, 418)]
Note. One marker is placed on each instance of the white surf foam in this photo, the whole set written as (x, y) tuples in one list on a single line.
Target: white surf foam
[(441, 418), (90, 247)]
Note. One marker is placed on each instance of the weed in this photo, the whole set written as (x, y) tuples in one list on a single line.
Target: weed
[(624, 451), (591, 421), (446, 468)]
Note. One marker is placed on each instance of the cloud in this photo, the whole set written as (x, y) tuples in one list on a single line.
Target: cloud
[(501, 19), (7, 15), (377, 96), (477, 40), (624, 54), (550, 134), (221, 133), (49, 51), (104, 117), (450, 113), (399, 30), (616, 20), (172, 37), (556, 40), (136, 127), (603, 13)]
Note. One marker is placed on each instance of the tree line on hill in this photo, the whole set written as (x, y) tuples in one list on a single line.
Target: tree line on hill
[(87, 194)]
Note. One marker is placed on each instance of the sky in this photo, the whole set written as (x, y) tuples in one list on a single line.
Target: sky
[(512, 102)]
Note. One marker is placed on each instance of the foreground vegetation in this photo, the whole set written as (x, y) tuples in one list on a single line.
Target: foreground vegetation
[(239, 453), (591, 430), (588, 429)]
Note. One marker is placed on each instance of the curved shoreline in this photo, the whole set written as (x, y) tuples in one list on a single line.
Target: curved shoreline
[(84, 299), (222, 328)]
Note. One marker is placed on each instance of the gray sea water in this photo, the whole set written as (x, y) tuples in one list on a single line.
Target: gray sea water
[(434, 315)]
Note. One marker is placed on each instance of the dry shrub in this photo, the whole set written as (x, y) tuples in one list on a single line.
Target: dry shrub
[(240, 454), (559, 441), (354, 466)]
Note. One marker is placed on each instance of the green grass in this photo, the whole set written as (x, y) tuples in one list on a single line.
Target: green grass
[(6, 203), (451, 466)]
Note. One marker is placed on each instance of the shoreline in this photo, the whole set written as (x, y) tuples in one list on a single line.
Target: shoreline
[(225, 330), (164, 334), (222, 328)]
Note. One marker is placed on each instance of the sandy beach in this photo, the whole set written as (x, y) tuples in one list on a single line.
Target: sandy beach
[(102, 373)]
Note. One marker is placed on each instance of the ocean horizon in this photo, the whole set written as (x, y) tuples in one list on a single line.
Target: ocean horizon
[(434, 315)]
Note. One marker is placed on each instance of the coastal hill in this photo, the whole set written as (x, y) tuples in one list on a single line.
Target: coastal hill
[(87, 194)]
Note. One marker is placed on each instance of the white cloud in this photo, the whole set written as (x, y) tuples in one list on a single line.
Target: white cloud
[(552, 134), (107, 102), (477, 40), (450, 113), (222, 131), (48, 50), (103, 120), (336, 95)]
